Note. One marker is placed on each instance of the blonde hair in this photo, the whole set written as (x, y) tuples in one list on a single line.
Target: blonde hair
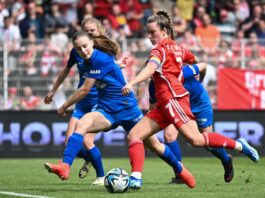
[(92, 20), (163, 20)]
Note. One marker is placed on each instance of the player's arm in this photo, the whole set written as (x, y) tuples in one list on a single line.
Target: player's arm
[(146, 73), (193, 70), (61, 77), (77, 96)]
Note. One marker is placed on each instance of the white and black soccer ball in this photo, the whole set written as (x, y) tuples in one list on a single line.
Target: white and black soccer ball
[(117, 180)]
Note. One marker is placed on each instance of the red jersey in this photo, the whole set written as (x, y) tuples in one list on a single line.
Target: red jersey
[(168, 76)]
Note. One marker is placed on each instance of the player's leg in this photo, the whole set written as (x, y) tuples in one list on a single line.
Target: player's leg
[(221, 154), (91, 122), (191, 132), (164, 152), (93, 153), (77, 114), (170, 136)]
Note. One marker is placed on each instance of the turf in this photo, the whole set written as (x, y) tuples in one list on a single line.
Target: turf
[(28, 176)]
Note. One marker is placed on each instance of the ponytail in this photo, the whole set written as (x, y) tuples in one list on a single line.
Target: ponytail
[(163, 20)]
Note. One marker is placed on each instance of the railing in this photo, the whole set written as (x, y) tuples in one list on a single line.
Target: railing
[(32, 66)]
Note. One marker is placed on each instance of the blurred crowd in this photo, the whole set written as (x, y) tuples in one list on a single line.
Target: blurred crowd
[(35, 38)]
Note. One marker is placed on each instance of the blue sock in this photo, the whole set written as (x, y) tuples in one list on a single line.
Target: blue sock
[(82, 154), (96, 160), (220, 153), (170, 159), (174, 147), (74, 144)]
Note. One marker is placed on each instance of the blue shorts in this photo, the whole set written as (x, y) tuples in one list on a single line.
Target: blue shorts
[(201, 107), (81, 109), (127, 118)]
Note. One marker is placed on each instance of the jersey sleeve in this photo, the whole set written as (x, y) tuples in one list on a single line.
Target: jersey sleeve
[(71, 60), (188, 57), (151, 89), (190, 71), (156, 56)]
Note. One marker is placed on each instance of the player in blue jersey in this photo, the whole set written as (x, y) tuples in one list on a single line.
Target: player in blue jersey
[(94, 27), (201, 107), (113, 108)]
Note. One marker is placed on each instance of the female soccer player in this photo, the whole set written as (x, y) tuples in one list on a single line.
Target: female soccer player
[(113, 108), (201, 107), (93, 27), (173, 107)]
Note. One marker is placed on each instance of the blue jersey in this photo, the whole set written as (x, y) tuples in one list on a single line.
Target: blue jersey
[(90, 101), (117, 108), (200, 102)]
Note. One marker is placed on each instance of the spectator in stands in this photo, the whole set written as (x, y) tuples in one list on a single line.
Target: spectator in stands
[(29, 101), (208, 36), (59, 37), (260, 31), (241, 10), (179, 24), (10, 35), (251, 23), (237, 42), (18, 10), (49, 56), (255, 53), (110, 31), (3, 13), (134, 15), (85, 11), (13, 102), (33, 23), (102, 8), (198, 18), (225, 54), (185, 9), (147, 6), (119, 21), (55, 19), (227, 20), (189, 41)]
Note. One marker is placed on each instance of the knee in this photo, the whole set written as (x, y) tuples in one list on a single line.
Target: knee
[(89, 141), (169, 137), (196, 142)]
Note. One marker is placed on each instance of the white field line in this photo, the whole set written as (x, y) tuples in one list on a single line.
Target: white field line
[(22, 195)]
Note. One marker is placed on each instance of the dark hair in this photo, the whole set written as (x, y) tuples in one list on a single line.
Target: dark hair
[(101, 42), (163, 20)]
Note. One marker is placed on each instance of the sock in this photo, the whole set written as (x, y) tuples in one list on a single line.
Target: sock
[(74, 144), (136, 155), (174, 147), (170, 159), (220, 153), (218, 140), (82, 154), (95, 158)]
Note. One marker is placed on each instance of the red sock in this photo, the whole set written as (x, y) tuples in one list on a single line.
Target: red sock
[(218, 140), (136, 155)]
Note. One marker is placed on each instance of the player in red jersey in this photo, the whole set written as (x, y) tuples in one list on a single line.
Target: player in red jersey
[(173, 107)]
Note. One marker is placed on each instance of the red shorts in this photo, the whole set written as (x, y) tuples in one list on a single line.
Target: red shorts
[(174, 111)]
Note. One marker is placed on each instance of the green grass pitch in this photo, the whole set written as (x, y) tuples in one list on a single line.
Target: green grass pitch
[(28, 176)]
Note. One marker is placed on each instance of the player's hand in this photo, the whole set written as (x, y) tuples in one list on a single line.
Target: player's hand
[(126, 89), (61, 111), (48, 98)]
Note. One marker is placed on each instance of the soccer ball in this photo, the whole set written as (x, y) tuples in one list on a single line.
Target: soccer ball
[(117, 181)]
